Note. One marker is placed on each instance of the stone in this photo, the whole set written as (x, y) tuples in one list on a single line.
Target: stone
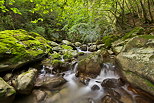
[(7, 92), (137, 61), (112, 83), (39, 95), (83, 47), (100, 46), (77, 44), (19, 47), (108, 99), (66, 42), (89, 65), (95, 87), (92, 48), (53, 44), (8, 76), (57, 48), (25, 81), (50, 82)]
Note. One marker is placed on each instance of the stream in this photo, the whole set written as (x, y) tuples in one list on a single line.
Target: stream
[(108, 87)]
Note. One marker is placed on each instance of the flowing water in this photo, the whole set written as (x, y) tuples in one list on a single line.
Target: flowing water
[(93, 91), (107, 87)]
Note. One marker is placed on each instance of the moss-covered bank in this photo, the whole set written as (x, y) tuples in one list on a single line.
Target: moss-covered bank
[(19, 46)]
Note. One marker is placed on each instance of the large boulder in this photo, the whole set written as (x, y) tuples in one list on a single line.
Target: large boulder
[(7, 92), (25, 81), (90, 65), (137, 62), (50, 82), (18, 47)]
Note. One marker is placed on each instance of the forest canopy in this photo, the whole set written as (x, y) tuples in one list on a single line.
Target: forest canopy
[(76, 20)]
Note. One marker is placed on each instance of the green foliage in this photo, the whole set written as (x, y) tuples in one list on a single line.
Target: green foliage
[(107, 40), (76, 20), (83, 32)]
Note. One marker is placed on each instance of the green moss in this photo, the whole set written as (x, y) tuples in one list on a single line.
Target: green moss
[(132, 33), (56, 55), (147, 36), (66, 47), (56, 62), (22, 45)]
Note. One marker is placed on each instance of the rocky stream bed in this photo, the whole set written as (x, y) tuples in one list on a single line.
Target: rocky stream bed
[(35, 70)]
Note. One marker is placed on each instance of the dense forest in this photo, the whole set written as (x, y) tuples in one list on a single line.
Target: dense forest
[(76, 20), (76, 51)]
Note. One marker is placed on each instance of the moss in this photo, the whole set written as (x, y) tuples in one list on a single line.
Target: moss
[(132, 33), (66, 47), (147, 36), (22, 45), (56, 55), (56, 62)]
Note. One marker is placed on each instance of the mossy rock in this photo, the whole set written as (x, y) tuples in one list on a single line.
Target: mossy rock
[(7, 92), (137, 57), (18, 47)]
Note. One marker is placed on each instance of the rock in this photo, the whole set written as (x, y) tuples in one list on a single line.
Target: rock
[(89, 65), (19, 47), (92, 48), (77, 44), (108, 99), (66, 42), (110, 52), (25, 81), (39, 95), (83, 47), (137, 62), (117, 49), (57, 48), (50, 82), (95, 87), (112, 83), (8, 76), (53, 44), (100, 46), (7, 92), (60, 66)]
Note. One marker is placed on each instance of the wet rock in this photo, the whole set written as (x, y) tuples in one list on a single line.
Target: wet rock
[(100, 46), (53, 44), (140, 99), (7, 92), (60, 66), (95, 87), (57, 48), (66, 42), (77, 44), (117, 49), (8, 76), (92, 48), (50, 82), (39, 95), (19, 47), (137, 62), (83, 47), (90, 65), (61, 96), (25, 81), (108, 99), (112, 83)]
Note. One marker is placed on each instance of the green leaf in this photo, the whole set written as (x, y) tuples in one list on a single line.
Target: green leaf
[(15, 10)]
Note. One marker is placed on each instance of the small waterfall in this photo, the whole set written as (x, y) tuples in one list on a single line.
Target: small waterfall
[(93, 89), (79, 50)]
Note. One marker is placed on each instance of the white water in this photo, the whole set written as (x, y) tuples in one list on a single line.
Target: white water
[(79, 92), (79, 50)]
